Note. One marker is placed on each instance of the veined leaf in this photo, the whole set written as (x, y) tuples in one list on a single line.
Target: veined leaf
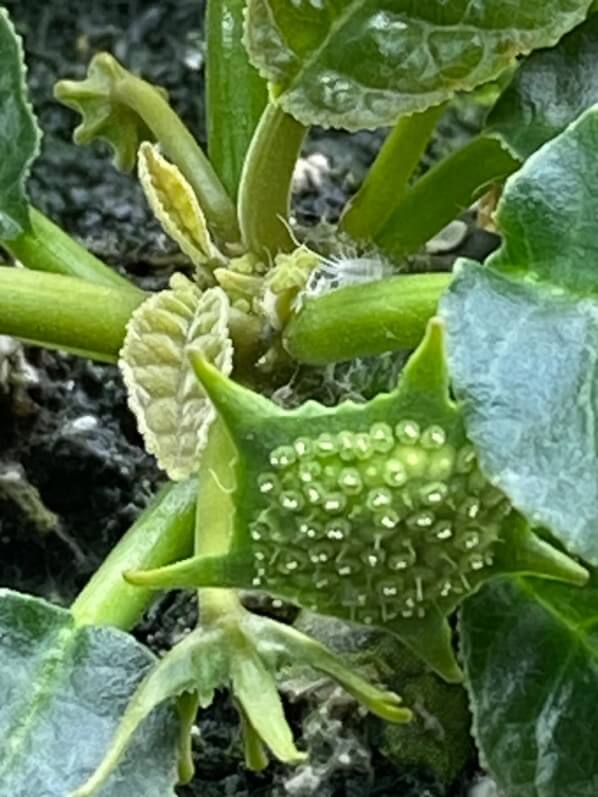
[(364, 63), (522, 339), (19, 134), (172, 410), (175, 205), (531, 658), (550, 90), (62, 683)]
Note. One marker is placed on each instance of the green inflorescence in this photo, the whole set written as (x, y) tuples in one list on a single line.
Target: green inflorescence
[(378, 513), (380, 523)]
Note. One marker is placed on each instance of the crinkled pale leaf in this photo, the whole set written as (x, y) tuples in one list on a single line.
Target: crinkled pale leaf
[(172, 410), (64, 689), (104, 109), (549, 91), (363, 63), (523, 341), (174, 203), (531, 657), (19, 134)]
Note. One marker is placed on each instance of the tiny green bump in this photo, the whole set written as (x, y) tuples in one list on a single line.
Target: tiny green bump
[(362, 446), (395, 474), (337, 530), (309, 471), (434, 437), (468, 540), (372, 475), (350, 481), (433, 494), (291, 500), (466, 459), (282, 457), (388, 519), (441, 463), (470, 508), (415, 460), (334, 502), (382, 438), (304, 447), (441, 531), (379, 498), (346, 446), (314, 493), (421, 520), (408, 432), (268, 483), (476, 561), (326, 445)]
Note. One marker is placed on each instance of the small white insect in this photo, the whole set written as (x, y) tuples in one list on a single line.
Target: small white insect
[(339, 272)]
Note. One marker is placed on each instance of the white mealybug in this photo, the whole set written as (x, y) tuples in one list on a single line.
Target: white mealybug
[(339, 272)]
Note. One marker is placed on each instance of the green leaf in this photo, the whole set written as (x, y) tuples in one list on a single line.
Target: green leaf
[(19, 134), (364, 63), (173, 412), (522, 339), (531, 657), (550, 90), (64, 689)]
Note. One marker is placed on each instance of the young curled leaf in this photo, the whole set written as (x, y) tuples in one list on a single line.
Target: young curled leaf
[(107, 114), (244, 652), (19, 134), (176, 207), (172, 409)]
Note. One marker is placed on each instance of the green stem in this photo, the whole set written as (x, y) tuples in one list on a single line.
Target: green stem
[(234, 90), (389, 176), (364, 320), (65, 313), (163, 534), (443, 193), (181, 148), (215, 517), (45, 247), (265, 189)]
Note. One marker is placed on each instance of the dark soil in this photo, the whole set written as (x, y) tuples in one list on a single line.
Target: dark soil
[(77, 472)]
